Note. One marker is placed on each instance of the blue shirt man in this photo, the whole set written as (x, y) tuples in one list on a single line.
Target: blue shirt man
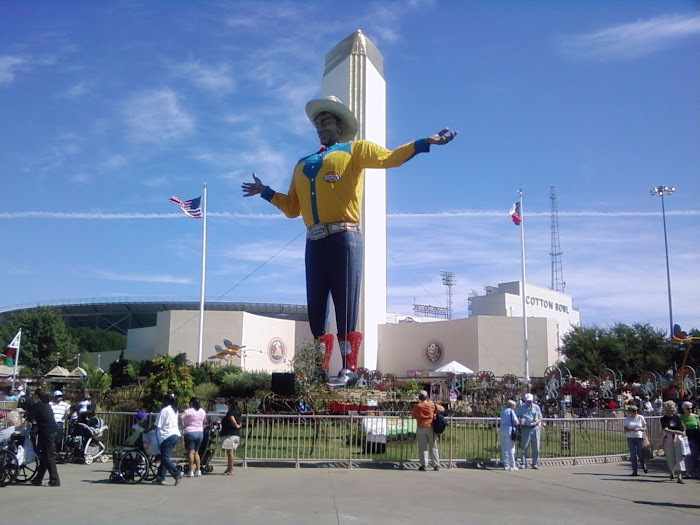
[(530, 417)]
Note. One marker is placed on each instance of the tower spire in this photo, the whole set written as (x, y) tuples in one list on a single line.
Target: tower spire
[(558, 282)]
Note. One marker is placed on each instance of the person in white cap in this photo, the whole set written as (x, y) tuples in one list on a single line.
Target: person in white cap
[(326, 190), (530, 417), (60, 409)]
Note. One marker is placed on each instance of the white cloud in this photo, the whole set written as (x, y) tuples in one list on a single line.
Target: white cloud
[(77, 90), (155, 182), (632, 40), (156, 117), (145, 278), (217, 79), (114, 161), (9, 67)]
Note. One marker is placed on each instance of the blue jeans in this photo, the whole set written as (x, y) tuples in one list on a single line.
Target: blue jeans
[(530, 436), (166, 464), (635, 446), (334, 265)]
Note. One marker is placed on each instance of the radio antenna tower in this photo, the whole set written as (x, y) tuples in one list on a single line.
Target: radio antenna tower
[(449, 280), (558, 282)]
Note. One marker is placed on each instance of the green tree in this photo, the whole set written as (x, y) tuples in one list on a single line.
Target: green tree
[(168, 375), (631, 350), (45, 339), (97, 340), (307, 364)]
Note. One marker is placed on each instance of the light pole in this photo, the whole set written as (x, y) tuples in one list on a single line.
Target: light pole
[(660, 191), (448, 279)]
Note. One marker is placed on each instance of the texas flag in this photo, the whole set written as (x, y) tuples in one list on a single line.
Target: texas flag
[(515, 213)]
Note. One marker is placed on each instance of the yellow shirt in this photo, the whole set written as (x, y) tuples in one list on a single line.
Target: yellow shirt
[(327, 186)]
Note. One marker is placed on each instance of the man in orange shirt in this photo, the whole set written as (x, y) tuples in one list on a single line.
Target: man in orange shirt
[(424, 412)]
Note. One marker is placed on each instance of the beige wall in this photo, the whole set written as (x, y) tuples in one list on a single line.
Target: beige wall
[(402, 346), (178, 331), (491, 343), (480, 343)]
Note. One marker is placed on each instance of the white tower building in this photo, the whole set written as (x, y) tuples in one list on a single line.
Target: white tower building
[(354, 73)]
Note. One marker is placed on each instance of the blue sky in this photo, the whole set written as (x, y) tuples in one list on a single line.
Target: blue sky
[(108, 108)]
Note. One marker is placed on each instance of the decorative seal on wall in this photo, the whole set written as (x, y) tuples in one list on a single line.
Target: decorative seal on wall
[(433, 352), (276, 350)]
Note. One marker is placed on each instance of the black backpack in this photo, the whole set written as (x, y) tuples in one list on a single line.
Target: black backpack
[(439, 423)]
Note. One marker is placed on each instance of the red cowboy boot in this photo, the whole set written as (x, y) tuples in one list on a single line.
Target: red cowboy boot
[(327, 349), (350, 349)]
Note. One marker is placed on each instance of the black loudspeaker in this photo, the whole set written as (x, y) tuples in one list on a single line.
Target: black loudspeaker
[(283, 383)]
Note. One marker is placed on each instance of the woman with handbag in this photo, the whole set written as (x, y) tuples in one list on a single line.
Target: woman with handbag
[(671, 441), (508, 430), (635, 426), (692, 430)]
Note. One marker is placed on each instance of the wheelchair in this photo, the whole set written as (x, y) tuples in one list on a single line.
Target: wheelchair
[(132, 465), (13, 464)]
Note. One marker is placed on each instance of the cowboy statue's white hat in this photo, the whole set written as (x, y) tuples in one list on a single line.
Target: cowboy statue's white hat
[(332, 104)]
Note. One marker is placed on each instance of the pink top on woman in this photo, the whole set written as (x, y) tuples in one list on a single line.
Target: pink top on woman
[(194, 420)]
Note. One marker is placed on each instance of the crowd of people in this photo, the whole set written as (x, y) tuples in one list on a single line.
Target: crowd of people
[(680, 439), (192, 420), (48, 415), (518, 423)]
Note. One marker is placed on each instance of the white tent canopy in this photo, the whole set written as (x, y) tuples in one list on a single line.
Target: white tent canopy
[(453, 367)]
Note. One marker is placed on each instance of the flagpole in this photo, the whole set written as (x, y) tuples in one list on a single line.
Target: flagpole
[(522, 290), (14, 371), (203, 280)]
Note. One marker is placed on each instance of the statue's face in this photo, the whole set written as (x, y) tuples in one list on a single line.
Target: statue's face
[(328, 128)]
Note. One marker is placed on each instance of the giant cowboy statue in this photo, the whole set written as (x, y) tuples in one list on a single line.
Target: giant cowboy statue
[(326, 190)]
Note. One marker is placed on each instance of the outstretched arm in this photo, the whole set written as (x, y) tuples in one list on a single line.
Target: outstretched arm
[(442, 137), (252, 188)]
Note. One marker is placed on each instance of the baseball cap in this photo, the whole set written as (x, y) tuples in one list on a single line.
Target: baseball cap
[(57, 393), (529, 397), (423, 393)]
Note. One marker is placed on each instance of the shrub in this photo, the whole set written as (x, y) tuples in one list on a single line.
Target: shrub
[(220, 372), (168, 376), (207, 393), (244, 385)]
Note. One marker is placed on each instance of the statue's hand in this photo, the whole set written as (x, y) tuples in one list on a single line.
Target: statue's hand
[(252, 188), (442, 137)]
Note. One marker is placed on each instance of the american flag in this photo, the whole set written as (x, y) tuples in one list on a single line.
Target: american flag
[(191, 207)]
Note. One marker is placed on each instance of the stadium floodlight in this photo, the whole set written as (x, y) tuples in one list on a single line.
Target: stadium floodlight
[(660, 191)]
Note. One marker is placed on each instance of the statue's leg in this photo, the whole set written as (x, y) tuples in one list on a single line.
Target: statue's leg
[(326, 347), (317, 261), (345, 281), (350, 349)]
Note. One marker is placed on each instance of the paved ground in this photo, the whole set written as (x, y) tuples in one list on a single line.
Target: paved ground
[(600, 494)]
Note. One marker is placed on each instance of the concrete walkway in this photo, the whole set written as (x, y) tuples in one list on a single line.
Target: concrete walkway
[(600, 494)]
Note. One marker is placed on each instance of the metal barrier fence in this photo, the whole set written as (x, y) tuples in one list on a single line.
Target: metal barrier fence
[(348, 440)]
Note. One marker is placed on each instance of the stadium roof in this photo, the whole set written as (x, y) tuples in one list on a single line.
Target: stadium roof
[(120, 315)]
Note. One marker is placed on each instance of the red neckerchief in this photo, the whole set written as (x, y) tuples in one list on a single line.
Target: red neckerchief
[(323, 148)]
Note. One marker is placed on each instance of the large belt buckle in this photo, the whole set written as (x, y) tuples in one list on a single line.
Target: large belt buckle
[(317, 231), (335, 227)]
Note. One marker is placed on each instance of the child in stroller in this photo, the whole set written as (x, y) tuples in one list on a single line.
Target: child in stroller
[(83, 442)]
